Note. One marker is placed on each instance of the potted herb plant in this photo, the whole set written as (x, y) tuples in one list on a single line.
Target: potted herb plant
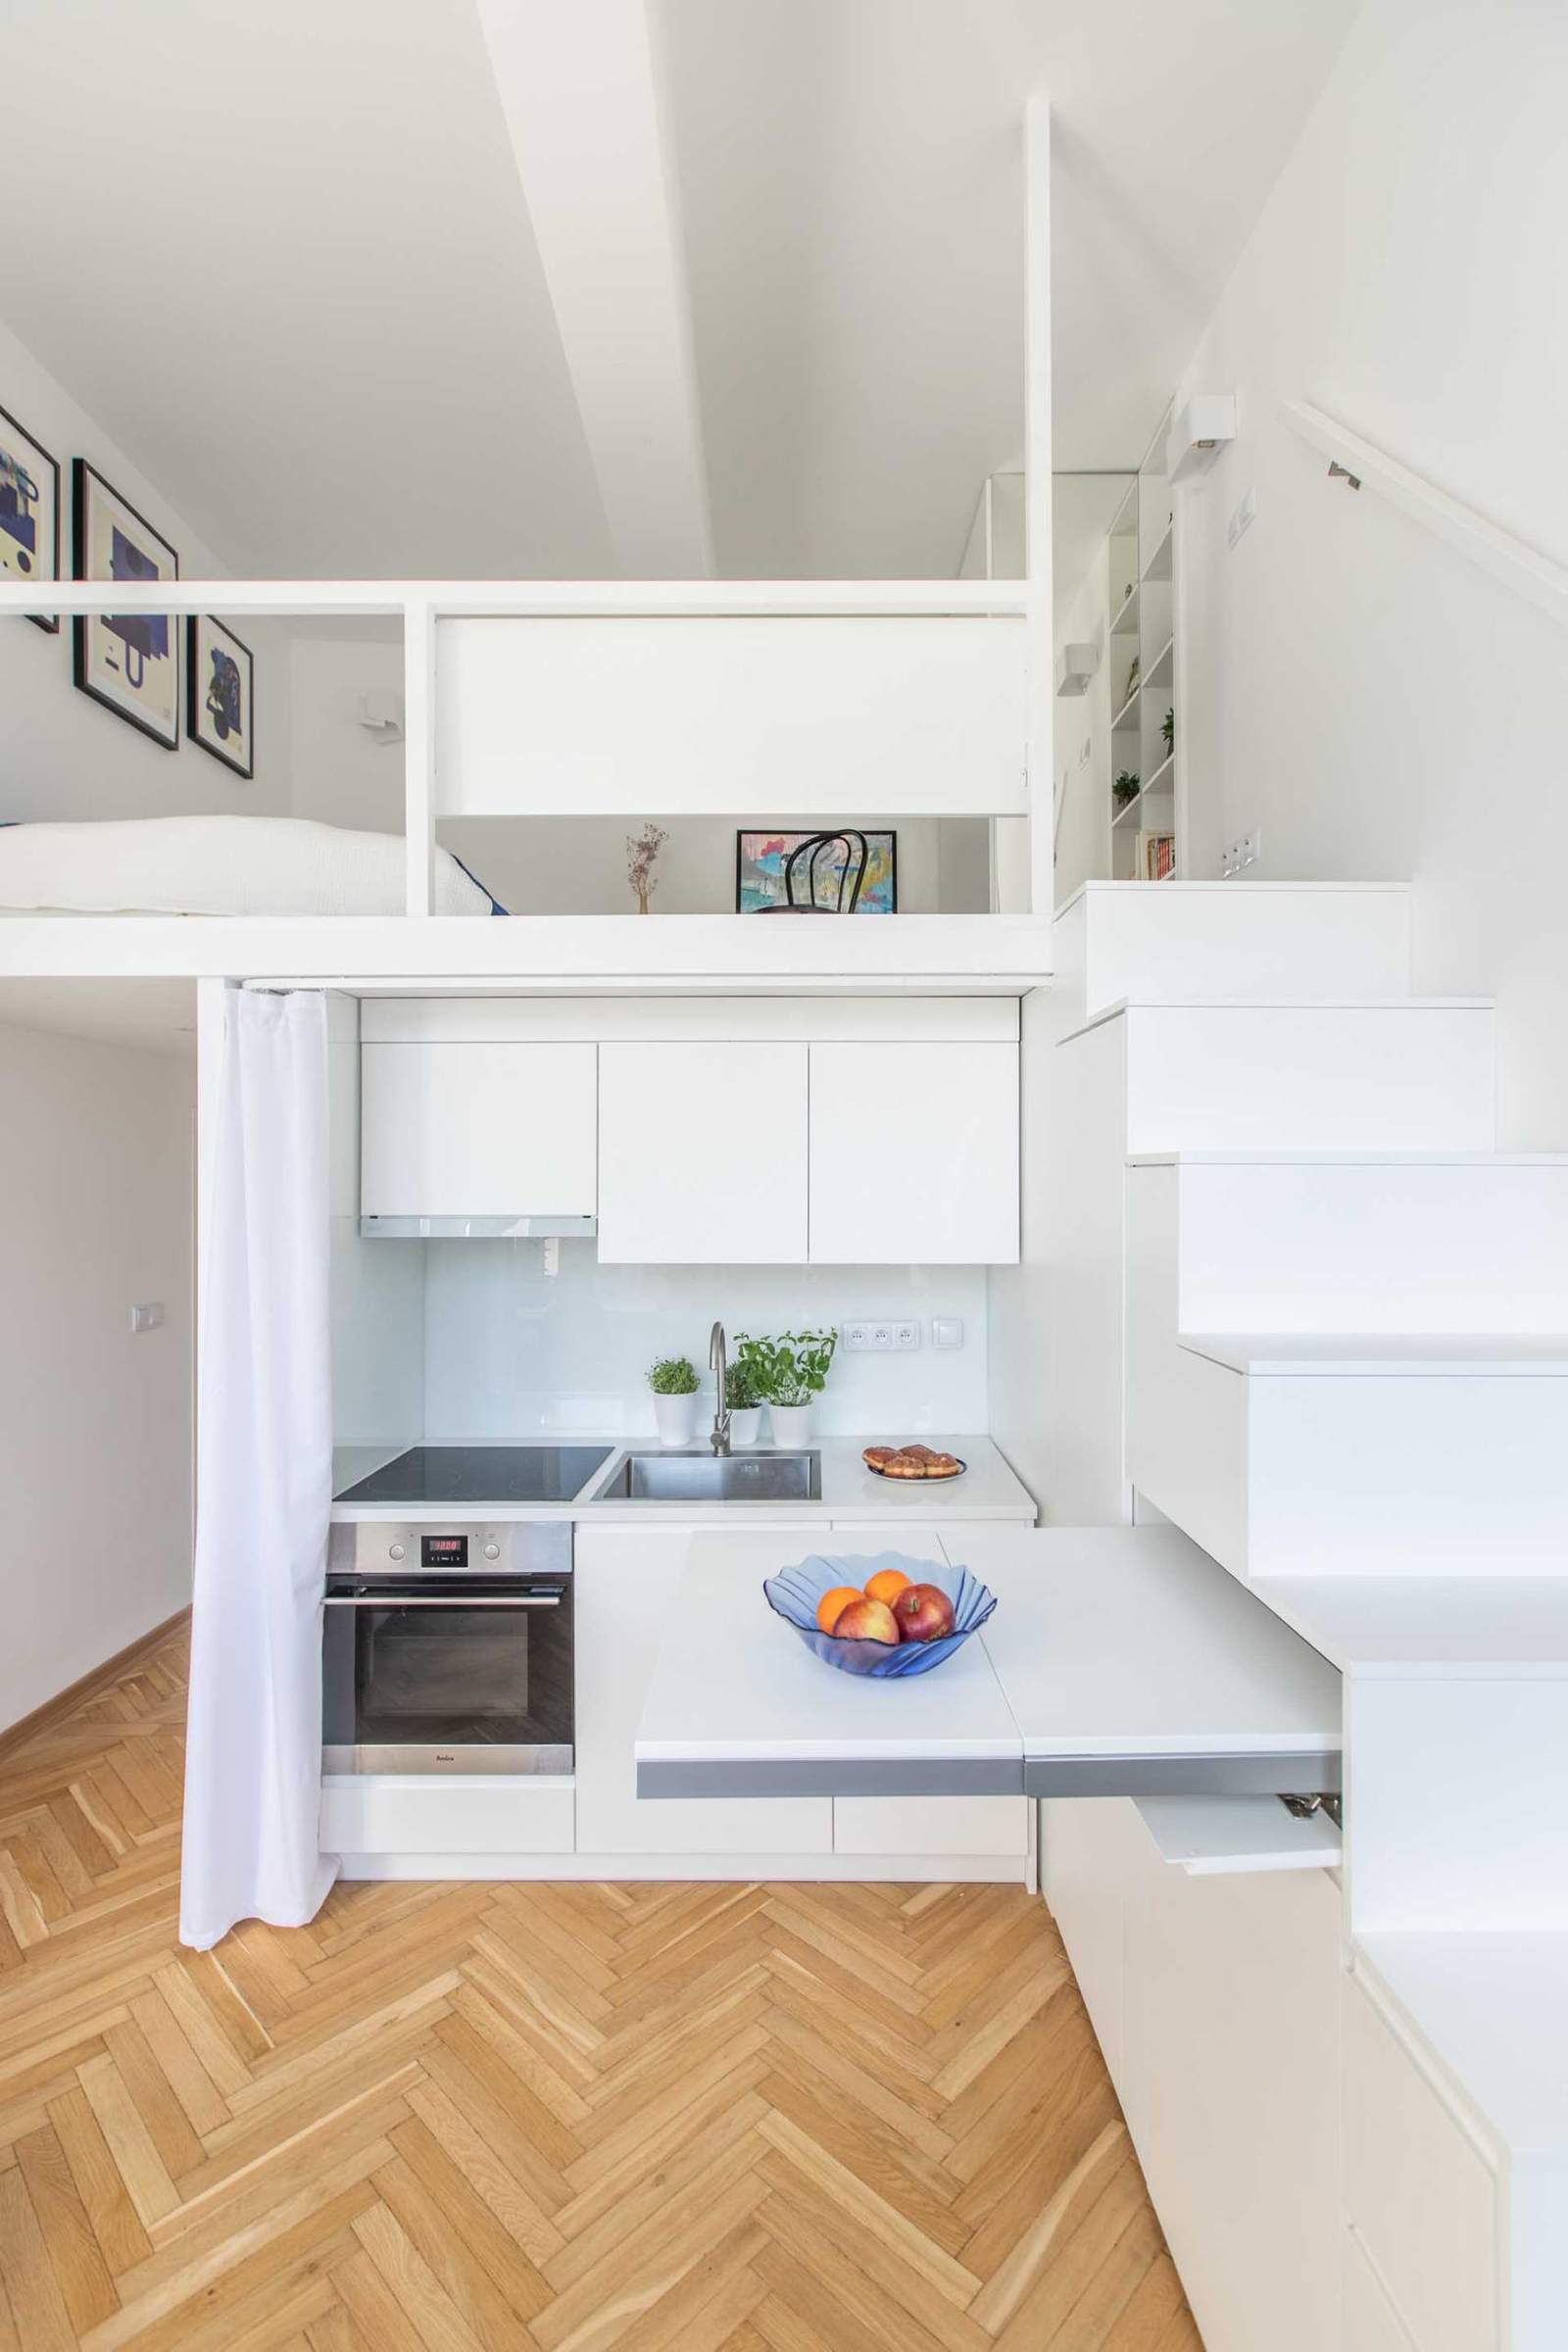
[(1125, 788), (792, 1371), (744, 1396), (674, 1383)]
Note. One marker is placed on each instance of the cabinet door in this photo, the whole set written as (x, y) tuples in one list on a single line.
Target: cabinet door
[(626, 1586), (702, 1155), (914, 1154), (479, 1130)]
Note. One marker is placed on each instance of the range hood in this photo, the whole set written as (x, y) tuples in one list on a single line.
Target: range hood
[(478, 1229)]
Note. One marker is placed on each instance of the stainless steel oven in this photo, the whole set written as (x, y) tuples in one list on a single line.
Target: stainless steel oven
[(446, 1646)]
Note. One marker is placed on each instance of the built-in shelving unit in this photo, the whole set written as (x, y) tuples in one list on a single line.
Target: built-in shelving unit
[(1141, 553)]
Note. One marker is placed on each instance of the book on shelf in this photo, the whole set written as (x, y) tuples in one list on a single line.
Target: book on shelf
[(1155, 856)]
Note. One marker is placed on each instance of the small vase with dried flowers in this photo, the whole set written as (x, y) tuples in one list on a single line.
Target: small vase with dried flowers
[(642, 859)]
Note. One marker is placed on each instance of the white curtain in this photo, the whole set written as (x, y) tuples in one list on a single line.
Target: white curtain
[(264, 1482)]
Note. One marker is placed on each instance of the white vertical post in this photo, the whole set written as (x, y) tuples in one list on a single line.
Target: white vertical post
[(1037, 498), (418, 728)]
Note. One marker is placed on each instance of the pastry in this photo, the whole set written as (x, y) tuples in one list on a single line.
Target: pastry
[(904, 1466), (918, 1453), (942, 1465), (877, 1458)]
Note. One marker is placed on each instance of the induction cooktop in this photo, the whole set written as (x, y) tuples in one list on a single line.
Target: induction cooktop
[(481, 1475)]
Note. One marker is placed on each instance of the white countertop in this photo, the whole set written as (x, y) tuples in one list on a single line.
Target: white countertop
[(1109, 1643), (988, 1488), (1116, 1640), (733, 1682)]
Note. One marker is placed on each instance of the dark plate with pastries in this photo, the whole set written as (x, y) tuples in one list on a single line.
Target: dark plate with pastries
[(912, 1462)]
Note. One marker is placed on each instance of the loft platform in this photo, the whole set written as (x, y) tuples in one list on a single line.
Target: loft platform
[(983, 955)]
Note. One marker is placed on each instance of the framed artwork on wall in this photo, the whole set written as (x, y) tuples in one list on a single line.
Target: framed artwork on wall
[(129, 661), (30, 511), (220, 677), (761, 858)]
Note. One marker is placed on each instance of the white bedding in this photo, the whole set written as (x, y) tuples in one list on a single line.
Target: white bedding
[(217, 865)]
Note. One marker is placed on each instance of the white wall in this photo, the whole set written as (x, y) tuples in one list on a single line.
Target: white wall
[(95, 1456), (513, 1352), (64, 754), (1376, 704)]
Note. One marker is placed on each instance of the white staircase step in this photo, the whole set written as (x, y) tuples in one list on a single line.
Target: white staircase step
[(1250, 940), (1330, 1455), (1359, 1241), (1211, 1076)]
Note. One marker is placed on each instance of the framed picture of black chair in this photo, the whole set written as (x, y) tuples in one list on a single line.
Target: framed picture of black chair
[(129, 661), (828, 874), (220, 693)]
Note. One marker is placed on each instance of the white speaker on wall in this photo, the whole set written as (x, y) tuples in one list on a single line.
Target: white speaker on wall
[(1076, 665)]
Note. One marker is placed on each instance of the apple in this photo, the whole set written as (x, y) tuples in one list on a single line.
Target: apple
[(866, 1621), (922, 1613)]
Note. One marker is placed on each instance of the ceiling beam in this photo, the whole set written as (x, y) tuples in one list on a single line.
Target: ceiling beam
[(579, 82)]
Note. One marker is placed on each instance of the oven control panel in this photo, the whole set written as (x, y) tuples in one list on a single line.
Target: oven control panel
[(455, 1547)]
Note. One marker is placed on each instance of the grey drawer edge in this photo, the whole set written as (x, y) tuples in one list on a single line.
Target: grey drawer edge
[(1270, 1774), (847, 1776)]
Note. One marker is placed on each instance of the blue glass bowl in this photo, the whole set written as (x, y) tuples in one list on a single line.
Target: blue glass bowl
[(794, 1595)]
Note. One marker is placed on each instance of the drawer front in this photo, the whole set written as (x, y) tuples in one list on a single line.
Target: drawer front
[(1420, 2197), (930, 1825), (417, 1814)]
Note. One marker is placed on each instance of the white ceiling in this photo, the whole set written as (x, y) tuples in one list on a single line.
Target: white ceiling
[(283, 255)]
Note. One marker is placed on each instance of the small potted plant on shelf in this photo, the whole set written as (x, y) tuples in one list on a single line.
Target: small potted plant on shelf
[(1125, 788), (1167, 728), (792, 1371), (744, 1396), (674, 1383)]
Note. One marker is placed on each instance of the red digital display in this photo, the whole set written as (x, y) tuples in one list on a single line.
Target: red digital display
[(442, 1551)]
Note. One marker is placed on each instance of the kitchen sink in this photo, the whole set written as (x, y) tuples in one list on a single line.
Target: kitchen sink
[(716, 1478)]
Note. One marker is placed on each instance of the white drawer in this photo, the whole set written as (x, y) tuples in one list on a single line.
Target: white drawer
[(930, 1825), (417, 1813), (1420, 2197), (1369, 2321)]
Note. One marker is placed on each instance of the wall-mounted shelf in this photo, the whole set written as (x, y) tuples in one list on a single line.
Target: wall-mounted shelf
[(1158, 567), (1127, 810), (1127, 715), (1164, 666), (1124, 623), (1163, 778)]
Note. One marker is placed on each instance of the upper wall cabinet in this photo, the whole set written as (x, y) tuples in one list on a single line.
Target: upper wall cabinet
[(702, 1154), (914, 1154), (478, 1128), (757, 1131)]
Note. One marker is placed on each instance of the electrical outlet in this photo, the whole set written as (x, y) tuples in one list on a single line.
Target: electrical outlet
[(1245, 851), (947, 1330), (878, 1338)]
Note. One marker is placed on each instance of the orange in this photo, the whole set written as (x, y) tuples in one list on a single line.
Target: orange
[(887, 1585), (829, 1607)]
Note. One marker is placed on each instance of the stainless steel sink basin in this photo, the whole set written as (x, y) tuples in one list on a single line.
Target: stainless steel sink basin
[(716, 1478)]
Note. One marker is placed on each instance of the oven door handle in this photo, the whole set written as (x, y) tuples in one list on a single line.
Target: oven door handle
[(393, 1600)]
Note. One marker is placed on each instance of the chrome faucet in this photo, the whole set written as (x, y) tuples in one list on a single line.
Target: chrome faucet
[(718, 1361)]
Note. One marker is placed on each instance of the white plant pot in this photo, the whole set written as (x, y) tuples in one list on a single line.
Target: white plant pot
[(746, 1425), (676, 1418), (793, 1424)]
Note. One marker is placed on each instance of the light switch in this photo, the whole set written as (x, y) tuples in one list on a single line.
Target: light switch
[(149, 1317), (947, 1330)]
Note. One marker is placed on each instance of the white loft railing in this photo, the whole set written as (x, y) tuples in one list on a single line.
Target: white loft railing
[(855, 692), (1519, 566)]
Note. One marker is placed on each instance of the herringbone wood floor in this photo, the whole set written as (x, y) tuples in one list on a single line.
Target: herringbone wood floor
[(871, 2119)]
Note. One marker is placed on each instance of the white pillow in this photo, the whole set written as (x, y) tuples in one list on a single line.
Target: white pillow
[(217, 865)]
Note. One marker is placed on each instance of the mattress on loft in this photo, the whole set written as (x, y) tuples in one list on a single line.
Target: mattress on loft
[(260, 865)]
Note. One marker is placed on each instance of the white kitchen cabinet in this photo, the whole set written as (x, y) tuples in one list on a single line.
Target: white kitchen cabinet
[(435, 1813), (1371, 2323), (937, 1825), (1421, 2199), (476, 1129), (914, 1154), (702, 1154), (627, 1583), (1216, 2002)]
